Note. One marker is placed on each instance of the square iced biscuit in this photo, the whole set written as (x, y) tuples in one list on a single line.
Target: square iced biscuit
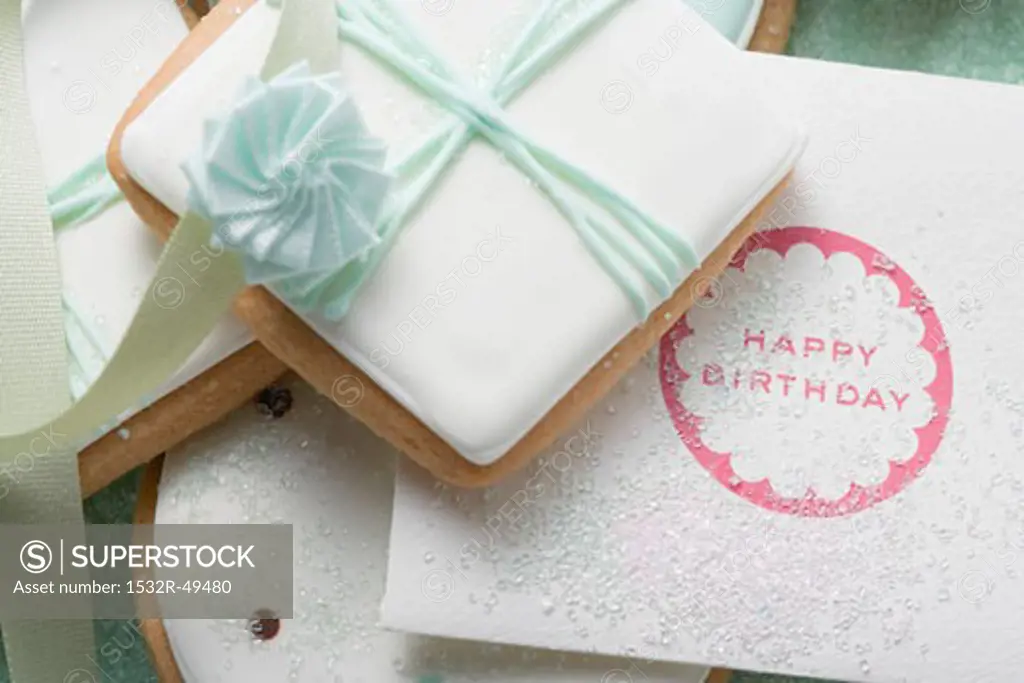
[(489, 310)]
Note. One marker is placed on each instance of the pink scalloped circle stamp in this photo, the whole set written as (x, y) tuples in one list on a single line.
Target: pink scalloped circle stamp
[(813, 378)]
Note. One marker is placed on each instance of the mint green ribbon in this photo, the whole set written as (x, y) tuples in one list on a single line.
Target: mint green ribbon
[(83, 195), (79, 198), (635, 249), (174, 318)]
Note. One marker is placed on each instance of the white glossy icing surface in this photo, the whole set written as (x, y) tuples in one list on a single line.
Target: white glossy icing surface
[(85, 62), (477, 335), (333, 481)]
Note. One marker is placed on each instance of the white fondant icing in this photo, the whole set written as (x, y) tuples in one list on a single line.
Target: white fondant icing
[(85, 62), (332, 480), (480, 335)]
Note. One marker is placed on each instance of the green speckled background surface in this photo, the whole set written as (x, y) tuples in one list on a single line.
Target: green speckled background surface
[(981, 39)]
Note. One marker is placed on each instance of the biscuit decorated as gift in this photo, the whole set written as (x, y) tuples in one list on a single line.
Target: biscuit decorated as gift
[(463, 222)]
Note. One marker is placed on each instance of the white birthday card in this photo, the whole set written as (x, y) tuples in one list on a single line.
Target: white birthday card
[(819, 471)]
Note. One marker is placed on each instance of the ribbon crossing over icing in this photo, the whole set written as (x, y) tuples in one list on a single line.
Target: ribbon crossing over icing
[(635, 249), (83, 195)]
